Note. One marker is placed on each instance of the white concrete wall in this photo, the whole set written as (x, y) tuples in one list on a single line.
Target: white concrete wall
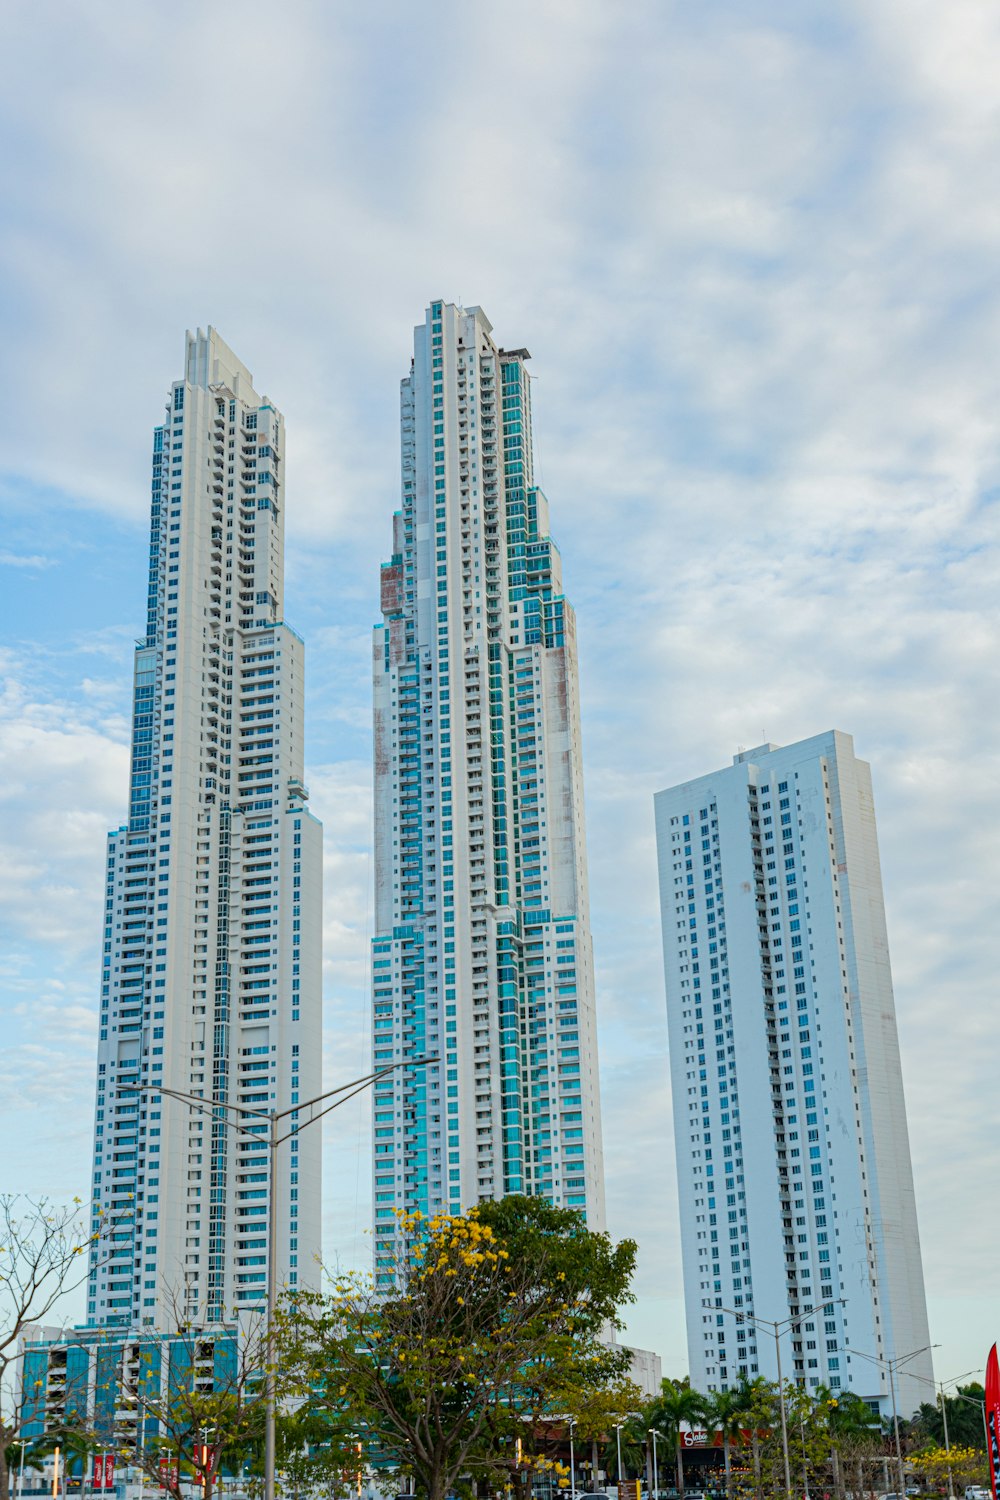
[(814, 1117)]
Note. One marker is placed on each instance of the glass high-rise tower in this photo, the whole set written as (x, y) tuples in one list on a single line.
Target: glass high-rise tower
[(211, 964), (482, 950)]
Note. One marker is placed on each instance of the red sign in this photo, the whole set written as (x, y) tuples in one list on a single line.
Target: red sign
[(104, 1471), (993, 1418), (698, 1437), (168, 1474)]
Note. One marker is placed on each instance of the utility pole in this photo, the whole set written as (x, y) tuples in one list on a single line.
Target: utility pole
[(947, 1444), (273, 1119), (777, 1329), (892, 1365)]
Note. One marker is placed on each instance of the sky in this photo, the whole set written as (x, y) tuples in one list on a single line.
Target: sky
[(753, 250)]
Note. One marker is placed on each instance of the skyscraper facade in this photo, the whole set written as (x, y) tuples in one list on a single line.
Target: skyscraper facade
[(482, 950), (211, 963), (793, 1158)]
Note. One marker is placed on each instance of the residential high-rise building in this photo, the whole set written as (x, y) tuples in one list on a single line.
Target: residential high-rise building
[(211, 971), (793, 1159), (482, 950)]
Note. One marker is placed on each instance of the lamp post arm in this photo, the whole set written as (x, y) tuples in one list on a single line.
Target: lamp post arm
[(203, 1106), (358, 1083), (359, 1087), (347, 1090)]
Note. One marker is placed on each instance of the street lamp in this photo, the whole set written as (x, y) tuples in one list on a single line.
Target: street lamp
[(22, 1444), (141, 1406), (892, 1365), (656, 1472), (939, 1389), (572, 1460), (777, 1328), (958, 1396), (340, 1095), (947, 1443), (618, 1438)]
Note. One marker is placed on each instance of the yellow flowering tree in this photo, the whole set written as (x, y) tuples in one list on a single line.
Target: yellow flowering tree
[(967, 1465), (486, 1334)]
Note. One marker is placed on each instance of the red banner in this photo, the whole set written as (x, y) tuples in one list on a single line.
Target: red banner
[(104, 1471), (993, 1418)]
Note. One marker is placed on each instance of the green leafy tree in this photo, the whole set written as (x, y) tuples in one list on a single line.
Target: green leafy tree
[(965, 1418), (595, 1412), (809, 1445), (633, 1445), (677, 1403), (728, 1414), (590, 1383), (759, 1398), (490, 1326), (582, 1264)]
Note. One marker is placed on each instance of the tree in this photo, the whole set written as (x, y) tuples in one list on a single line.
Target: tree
[(965, 1418), (43, 1256), (760, 1401), (809, 1445), (965, 1465), (572, 1261), (489, 1328), (676, 1404), (193, 1415), (855, 1437), (728, 1413), (556, 1242), (631, 1438), (596, 1411)]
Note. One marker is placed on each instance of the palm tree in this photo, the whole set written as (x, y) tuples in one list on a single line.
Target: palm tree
[(633, 1441), (72, 1443), (727, 1412), (676, 1404)]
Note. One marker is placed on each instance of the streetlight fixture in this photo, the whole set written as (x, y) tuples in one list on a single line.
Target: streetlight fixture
[(141, 1407), (618, 1439), (340, 1095), (947, 1443), (22, 1444), (958, 1396), (939, 1389), (572, 1460), (892, 1365), (777, 1328), (656, 1472)]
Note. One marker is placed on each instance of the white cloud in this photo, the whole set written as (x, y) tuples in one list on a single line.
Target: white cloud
[(753, 253), (24, 560)]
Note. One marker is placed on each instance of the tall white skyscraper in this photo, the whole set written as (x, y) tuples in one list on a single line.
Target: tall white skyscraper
[(211, 973), (793, 1159), (482, 952)]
